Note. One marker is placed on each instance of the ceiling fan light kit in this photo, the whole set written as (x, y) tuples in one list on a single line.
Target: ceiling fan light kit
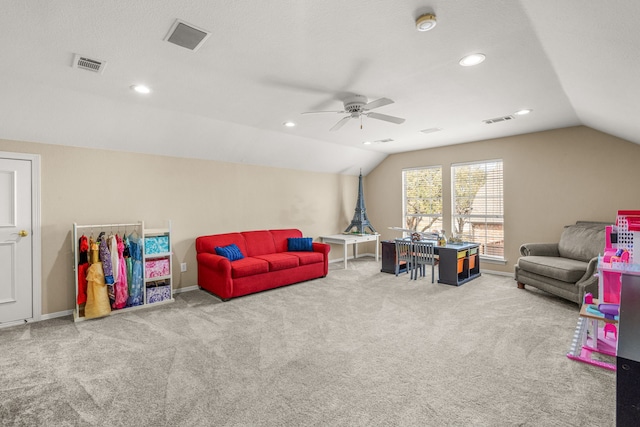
[(426, 22)]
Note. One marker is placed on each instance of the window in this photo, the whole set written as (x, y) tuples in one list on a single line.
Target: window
[(477, 205), (422, 191)]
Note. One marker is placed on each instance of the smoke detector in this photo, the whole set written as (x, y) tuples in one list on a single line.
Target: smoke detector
[(426, 22)]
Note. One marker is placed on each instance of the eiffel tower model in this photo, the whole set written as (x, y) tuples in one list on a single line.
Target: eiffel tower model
[(360, 222)]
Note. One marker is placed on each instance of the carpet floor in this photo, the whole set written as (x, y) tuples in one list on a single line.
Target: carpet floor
[(357, 348)]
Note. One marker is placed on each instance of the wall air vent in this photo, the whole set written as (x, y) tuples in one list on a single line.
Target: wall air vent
[(499, 119), (90, 64), (186, 35)]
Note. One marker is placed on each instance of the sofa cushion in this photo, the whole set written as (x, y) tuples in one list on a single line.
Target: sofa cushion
[(564, 269), (581, 242), (280, 238), (280, 261), (231, 252), (248, 267), (259, 242), (307, 258), (300, 244), (208, 243)]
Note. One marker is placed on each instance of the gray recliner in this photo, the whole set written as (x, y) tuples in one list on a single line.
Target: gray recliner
[(566, 268)]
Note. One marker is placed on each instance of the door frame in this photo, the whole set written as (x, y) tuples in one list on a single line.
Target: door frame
[(36, 235)]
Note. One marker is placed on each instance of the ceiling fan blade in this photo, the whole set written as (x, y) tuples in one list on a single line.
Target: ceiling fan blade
[(341, 123), (314, 112), (377, 103), (386, 118)]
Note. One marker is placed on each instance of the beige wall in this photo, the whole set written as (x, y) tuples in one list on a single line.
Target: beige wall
[(551, 179), (89, 186)]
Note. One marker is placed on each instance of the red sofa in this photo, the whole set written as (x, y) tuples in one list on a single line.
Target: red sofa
[(266, 264)]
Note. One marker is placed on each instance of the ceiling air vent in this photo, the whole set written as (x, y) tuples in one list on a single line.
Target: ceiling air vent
[(499, 119), (187, 35), (85, 63), (431, 130)]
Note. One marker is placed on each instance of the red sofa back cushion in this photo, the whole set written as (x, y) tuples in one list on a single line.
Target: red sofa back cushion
[(259, 242), (280, 238), (251, 243), (208, 243)]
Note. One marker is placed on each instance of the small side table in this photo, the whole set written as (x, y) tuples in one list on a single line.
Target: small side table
[(352, 239)]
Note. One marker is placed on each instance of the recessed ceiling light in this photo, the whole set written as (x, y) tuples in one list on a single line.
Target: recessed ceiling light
[(523, 112), (289, 124), (141, 88), (426, 22), (473, 59), (366, 143)]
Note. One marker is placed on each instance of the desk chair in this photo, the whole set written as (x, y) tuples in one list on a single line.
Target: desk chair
[(404, 255), (424, 254)]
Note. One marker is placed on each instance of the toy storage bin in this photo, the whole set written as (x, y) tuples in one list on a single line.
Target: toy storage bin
[(158, 291), (472, 261), (460, 265), (156, 268), (156, 245)]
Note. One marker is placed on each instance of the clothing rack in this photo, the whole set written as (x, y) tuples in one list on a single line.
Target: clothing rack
[(136, 224), (139, 228)]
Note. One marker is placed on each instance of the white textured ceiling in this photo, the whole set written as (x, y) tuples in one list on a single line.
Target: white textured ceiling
[(572, 62)]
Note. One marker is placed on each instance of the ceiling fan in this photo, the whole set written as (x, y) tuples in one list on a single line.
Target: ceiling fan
[(357, 106)]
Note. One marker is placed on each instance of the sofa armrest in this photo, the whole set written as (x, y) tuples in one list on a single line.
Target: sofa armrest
[(589, 281), (324, 249), (591, 270), (539, 249), (214, 274), (213, 261), (321, 247)]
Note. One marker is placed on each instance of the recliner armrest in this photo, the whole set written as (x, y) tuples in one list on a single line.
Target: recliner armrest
[(591, 271), (539, 249)]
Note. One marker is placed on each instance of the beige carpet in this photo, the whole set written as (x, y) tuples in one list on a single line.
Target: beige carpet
[(358, 348)]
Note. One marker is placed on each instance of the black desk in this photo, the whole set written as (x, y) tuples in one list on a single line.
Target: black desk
[(459, 263)]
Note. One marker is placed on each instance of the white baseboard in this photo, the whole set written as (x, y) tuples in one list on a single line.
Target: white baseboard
[(498, 273), (187, 289), (56, 314)]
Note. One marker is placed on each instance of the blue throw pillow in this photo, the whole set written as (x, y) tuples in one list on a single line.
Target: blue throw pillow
[(300, 244), (232, 252)]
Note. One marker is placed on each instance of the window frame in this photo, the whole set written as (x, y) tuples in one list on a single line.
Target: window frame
[(486, 217)]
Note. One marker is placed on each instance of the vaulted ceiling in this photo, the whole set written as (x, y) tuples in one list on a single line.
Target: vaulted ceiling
[(572, 62)]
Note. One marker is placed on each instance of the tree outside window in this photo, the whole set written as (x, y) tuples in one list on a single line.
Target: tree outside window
[(422, 190)]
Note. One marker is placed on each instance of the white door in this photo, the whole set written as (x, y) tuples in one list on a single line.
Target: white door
[(16, 241)]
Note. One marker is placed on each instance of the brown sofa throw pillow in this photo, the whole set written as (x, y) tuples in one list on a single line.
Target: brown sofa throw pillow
[(581, 242)]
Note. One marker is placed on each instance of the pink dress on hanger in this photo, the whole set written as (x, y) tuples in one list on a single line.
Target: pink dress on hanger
[(121, 285)]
